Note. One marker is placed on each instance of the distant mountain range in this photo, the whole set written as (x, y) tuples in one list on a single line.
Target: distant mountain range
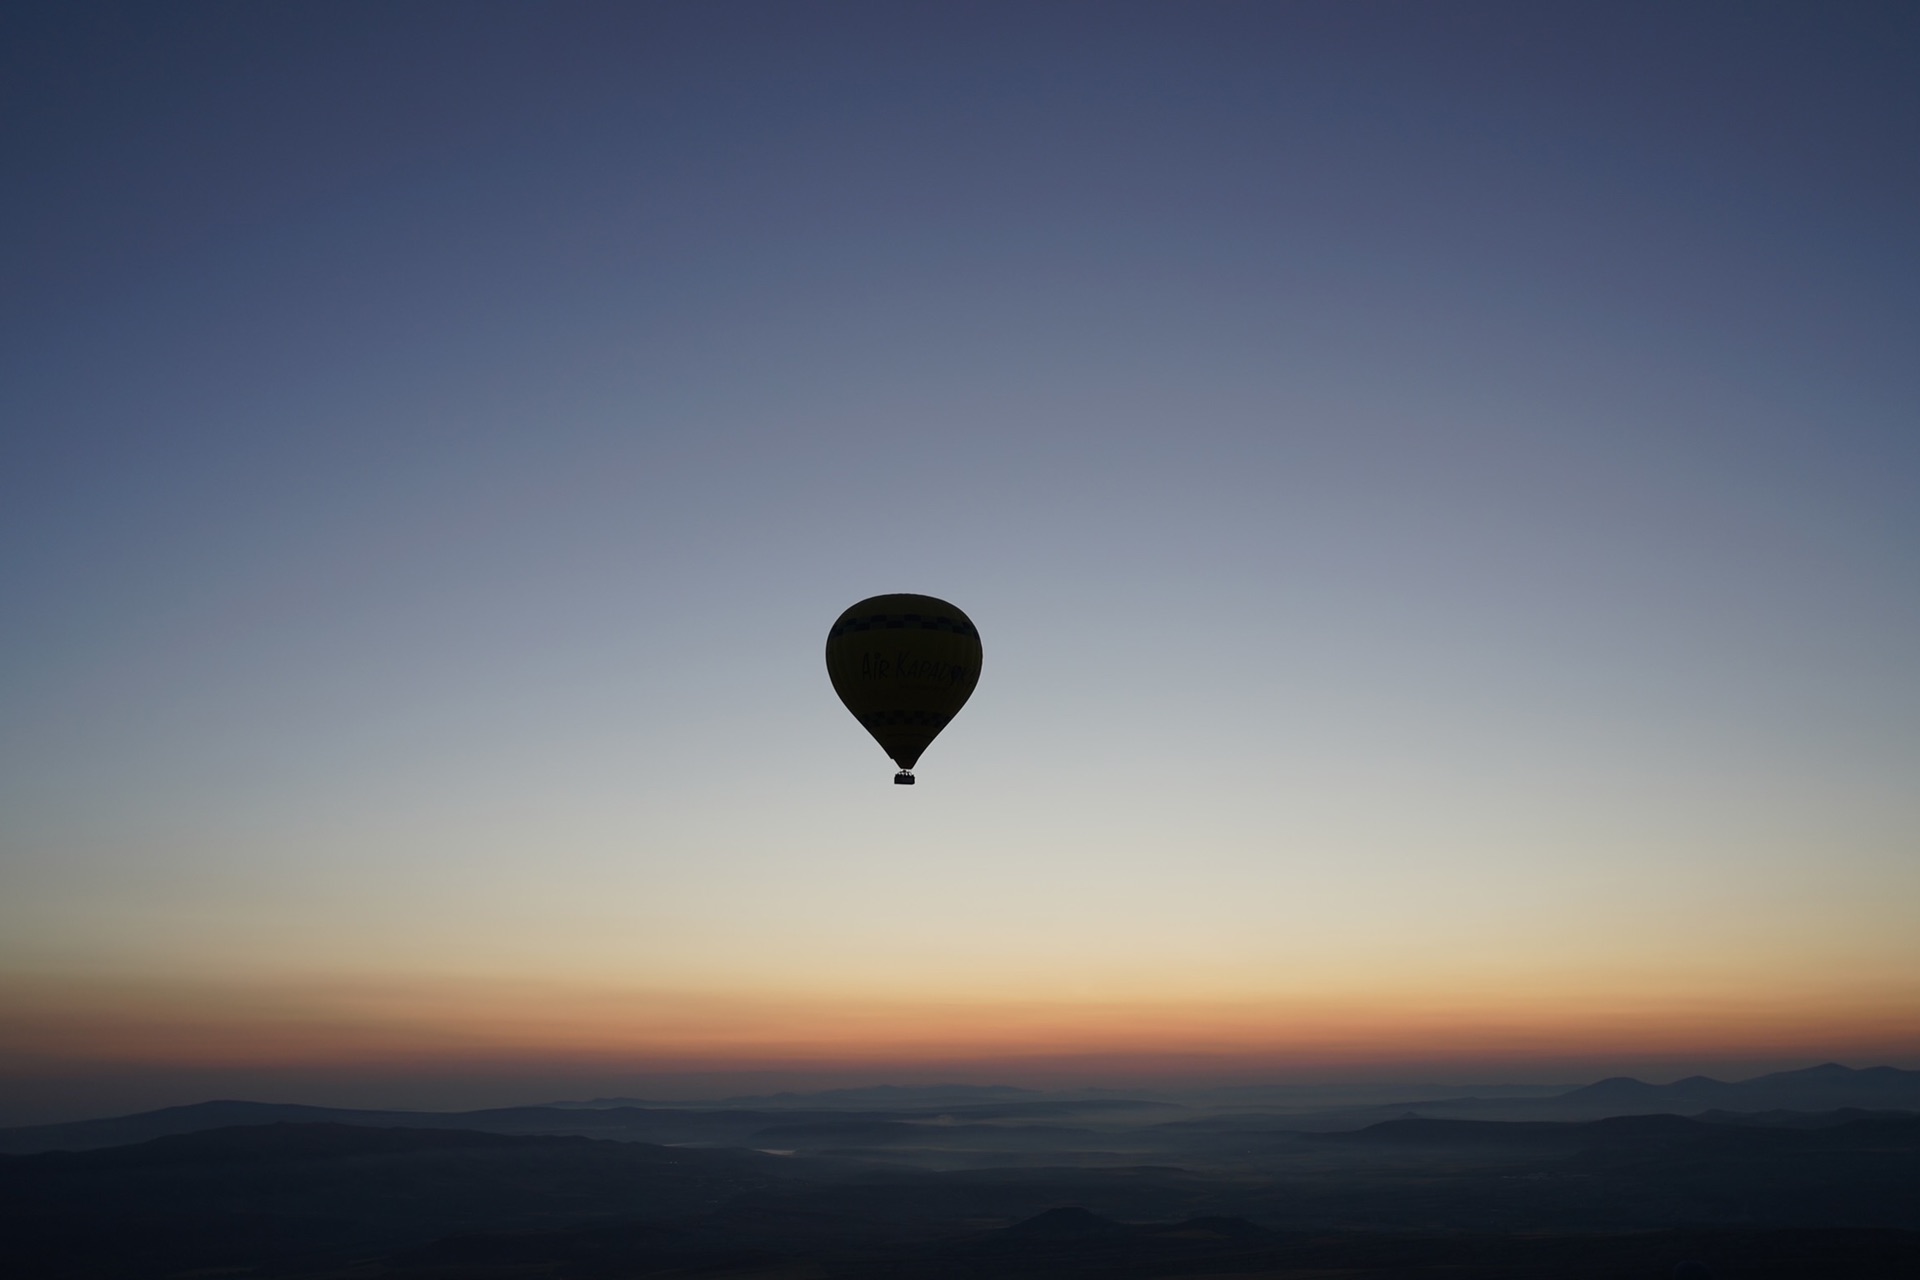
[(885, 1096), (776, 1120), (1645, 1134), (1827, 1087)]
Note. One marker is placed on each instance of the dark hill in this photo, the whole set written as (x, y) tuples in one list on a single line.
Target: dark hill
[(1803, 1119), (83, 1135), (253, 1144), (1420, 1131), (1069, 1221), (1827, 1087), (1076, 1243), (887, 1097), (1650, 1131), (1644, 1135), (818, 1134), (284, 1194)]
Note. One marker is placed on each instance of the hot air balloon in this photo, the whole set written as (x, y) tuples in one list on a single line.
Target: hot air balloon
[(904, 665)]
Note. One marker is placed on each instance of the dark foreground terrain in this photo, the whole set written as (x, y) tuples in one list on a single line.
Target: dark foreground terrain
[(1007, 1189)]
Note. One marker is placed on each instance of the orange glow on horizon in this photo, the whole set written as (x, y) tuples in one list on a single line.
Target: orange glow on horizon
[(450, 1023)]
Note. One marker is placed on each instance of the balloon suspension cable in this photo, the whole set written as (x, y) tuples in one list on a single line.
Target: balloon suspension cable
[(903, 779)]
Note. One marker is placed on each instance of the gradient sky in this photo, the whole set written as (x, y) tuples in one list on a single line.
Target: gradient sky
[(1439, 486)]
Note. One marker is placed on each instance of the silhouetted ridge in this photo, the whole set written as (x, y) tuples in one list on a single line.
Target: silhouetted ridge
[(1641, 1137), (902, 1132), (1822, 1088), (886, 1095), (1213, 1228), (867, 1131), (1069, 1220), (285, 1141), (1423, 1131), (81, 1135), (1620, 1089)]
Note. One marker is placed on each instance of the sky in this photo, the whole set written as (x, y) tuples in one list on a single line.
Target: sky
[(1438, 486)]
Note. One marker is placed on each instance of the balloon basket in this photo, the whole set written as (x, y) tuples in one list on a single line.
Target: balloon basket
[(903, 779)]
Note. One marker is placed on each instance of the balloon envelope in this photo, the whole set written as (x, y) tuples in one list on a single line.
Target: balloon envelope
[(903, 664)]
